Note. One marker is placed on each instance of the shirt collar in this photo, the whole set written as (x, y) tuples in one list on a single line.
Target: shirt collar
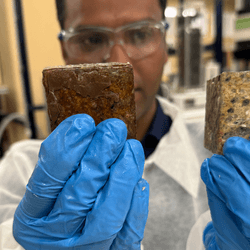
[(160, 124), (159, 127)]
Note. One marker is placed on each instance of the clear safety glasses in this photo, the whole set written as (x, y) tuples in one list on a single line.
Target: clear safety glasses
[(93, 44)]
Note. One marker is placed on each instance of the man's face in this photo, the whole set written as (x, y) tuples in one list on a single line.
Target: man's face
[(115, 13)]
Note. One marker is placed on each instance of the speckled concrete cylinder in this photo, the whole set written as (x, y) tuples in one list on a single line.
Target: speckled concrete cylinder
[(227, 109)]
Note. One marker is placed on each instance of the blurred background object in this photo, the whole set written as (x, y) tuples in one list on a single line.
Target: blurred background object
[(242, 34), (201, 44), (28, 43)]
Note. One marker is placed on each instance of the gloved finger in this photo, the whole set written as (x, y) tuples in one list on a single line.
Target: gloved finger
[(132, 232), (237, 151), (59, 156), (226, 225), (212, 171), (209, 235), (112, 205), (225, 181), (79, 193)]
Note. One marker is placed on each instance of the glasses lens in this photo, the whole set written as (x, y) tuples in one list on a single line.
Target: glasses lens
[(88, 44), (142, 41)]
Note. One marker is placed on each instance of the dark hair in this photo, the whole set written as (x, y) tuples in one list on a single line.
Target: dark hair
[(61, 10)]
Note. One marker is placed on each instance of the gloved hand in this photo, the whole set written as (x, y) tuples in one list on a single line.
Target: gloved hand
[(86, 190), (227, 179)]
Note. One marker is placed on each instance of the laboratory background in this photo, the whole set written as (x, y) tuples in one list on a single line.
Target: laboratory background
[(205, 38)]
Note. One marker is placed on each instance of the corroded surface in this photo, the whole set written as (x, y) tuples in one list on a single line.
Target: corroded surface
[(103, 91), (227, 109)]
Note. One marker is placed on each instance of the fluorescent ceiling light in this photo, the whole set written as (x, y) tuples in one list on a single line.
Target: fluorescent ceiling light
[(170, 12)]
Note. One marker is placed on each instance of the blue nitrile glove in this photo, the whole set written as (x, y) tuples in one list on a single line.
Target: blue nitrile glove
[(227, 179), (86, 190)]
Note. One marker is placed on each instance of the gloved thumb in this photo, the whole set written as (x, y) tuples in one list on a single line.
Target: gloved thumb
[(59, 156)]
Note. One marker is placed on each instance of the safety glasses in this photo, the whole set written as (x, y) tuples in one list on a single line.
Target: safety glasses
[(93, 44)]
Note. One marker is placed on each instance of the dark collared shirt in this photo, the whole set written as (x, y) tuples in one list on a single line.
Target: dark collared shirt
[(159, 127)]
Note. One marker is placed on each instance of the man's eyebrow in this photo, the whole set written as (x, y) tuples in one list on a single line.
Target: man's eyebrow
[(81, 27)]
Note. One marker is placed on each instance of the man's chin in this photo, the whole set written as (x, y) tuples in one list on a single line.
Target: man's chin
[(138, 96), (143, 107), (139, 110)]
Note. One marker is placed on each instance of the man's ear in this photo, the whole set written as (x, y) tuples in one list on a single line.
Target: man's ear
[(64, 53)]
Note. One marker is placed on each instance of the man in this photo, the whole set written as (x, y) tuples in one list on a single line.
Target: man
[(172, 167), (69, 202)]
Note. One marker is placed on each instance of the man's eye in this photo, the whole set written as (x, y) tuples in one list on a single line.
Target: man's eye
[(140, 36), (89, 42), (94, 39)]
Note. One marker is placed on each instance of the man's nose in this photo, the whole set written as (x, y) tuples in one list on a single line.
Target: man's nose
[(118, 54)]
